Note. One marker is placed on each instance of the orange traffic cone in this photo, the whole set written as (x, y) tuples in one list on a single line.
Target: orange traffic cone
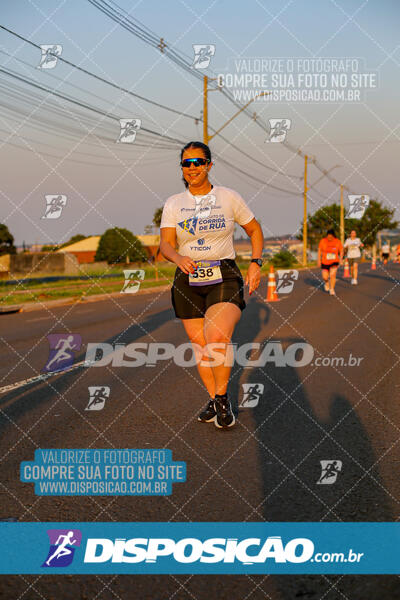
[(373, 266), (272, 296), (346, 269)]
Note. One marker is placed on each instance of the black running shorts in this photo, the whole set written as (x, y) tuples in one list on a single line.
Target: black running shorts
[(191, 302), (329, 267)]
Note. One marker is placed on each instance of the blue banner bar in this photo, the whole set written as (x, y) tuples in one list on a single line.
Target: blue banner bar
[(200, 548)]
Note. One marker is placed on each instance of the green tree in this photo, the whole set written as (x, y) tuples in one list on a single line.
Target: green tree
[(376, 217), (326, 217), (6, 241), (283, 259), (117, 244), (157, 217), (49, 248)]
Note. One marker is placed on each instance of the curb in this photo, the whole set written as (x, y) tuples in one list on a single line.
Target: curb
[(31, 306)]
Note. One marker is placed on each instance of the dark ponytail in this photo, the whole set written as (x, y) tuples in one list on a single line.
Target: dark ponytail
[(201, 146)]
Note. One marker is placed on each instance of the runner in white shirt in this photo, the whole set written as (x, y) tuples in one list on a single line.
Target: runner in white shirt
[(385, 252), (207, 293), (352, 246)]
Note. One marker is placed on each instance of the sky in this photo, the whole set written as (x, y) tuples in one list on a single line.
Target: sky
[(50, 146)]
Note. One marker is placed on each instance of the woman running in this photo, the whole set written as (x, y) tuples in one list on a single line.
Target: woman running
[(207, 293), (330, 255), (352, 246), (385, 252)]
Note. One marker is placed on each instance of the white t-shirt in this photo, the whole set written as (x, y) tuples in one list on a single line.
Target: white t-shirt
[(205, 224), (353, 247), (385, 248)]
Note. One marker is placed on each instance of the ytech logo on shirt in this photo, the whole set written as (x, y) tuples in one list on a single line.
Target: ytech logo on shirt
[(189, 225), (200, 246)]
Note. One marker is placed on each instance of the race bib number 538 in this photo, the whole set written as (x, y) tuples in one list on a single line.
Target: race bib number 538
[(207, 273)]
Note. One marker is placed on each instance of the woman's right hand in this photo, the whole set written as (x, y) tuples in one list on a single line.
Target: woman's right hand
[(186, 264)]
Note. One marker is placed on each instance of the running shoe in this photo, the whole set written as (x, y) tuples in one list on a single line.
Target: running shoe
[(225, 417), (208, 414), (353, 281), (332, 292), (326, 287)]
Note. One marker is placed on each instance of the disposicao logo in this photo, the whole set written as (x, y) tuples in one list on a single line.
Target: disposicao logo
[(192, 550), (63, 543), (62, 349)]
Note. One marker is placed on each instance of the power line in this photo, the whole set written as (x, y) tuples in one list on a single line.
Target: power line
[(151, 38), (275, 187), (81, 104), (109, 116), (114, 85), (174, 141), (255, 160), (196, 119), (129, 23)]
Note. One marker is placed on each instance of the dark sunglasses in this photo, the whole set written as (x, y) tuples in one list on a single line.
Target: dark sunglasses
[(196, 162)]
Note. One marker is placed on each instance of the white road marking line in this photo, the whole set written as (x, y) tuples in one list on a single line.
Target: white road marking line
[(39, 319), (37, 378)]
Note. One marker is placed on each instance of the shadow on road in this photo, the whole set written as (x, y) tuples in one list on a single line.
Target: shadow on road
[(384, 277), (292, 441), (295, 440), (254, 319), (312, 282), (30, 397)]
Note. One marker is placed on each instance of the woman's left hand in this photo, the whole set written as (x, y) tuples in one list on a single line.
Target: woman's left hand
[(253, 277)]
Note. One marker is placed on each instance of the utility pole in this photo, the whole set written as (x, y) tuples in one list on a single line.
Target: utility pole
[(305, 214), (205, 110), (341, 216), (206, 137)]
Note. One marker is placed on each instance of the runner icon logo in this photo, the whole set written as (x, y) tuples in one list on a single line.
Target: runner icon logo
[(63, 543), (278, 129), (286, 279), (50, 54), (54, 205), (97, 397), (329, 471), (62, 349), (129, 128), (357, 206), (133, 279), (202, 55), (252, 392)]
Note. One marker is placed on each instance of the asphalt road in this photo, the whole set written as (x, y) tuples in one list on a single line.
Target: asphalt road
[(264, 469)]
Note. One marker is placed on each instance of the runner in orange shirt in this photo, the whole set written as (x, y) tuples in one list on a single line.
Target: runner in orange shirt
[(330, 256)]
